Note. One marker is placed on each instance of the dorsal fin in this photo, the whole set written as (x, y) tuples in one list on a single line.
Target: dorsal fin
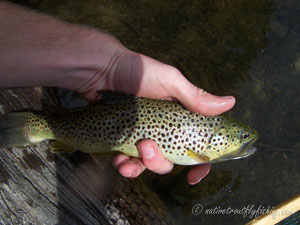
[(114, 96), (105, 97)]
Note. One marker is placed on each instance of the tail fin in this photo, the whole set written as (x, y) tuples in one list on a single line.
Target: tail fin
[(12, 132)]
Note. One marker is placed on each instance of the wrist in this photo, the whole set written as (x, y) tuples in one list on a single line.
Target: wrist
[(93, 60)]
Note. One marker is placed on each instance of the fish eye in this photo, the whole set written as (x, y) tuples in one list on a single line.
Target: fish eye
[(245, 135)]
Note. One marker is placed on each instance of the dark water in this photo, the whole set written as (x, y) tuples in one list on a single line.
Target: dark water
[(249, 49)]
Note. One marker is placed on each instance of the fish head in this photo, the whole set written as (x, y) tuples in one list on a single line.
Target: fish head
[(232, 140)]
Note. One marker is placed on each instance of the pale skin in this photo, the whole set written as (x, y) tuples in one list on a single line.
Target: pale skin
[(38, 50)]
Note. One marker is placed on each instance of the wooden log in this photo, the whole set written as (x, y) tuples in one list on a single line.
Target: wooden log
[(39, 187)]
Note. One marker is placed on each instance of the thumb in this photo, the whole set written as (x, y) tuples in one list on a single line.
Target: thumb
[(198, 100), (153, 158)]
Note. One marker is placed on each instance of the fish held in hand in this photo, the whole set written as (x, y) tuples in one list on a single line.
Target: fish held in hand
[(116, 124)]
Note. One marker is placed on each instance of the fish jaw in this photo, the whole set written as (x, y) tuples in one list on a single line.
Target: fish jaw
[(246, 150)]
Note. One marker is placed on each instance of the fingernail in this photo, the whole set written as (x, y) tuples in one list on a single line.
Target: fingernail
[(132, 174), (148, 152), (196, 181), (226, 97)]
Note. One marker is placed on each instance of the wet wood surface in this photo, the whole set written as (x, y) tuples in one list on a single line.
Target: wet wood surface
[(39, 187)]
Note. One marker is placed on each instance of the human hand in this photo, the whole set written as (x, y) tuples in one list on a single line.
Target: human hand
[(57, 54), (142, 76)]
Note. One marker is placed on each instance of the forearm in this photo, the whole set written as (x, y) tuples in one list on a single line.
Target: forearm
[(38, 50)]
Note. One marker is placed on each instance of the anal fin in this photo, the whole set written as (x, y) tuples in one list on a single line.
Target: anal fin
[(59, 147), (101, 154)]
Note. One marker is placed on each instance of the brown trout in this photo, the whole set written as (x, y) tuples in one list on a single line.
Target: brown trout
[(117, 124)]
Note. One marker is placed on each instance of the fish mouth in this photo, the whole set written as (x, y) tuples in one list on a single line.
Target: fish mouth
[(246, 150)]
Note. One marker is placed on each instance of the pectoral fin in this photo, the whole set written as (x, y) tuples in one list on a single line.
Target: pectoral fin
[(59, 147), (196, 157)]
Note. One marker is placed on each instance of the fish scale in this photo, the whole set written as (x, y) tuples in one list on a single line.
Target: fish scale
[(114, 124)]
